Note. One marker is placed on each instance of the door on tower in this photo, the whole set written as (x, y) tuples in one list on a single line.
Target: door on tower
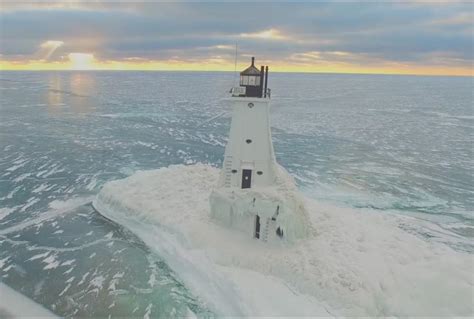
[(257, 227), (246, 178)]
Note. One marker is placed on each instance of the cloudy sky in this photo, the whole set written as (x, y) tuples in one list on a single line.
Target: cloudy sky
[(416, 37)]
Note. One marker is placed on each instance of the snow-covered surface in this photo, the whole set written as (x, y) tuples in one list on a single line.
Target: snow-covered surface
[(354, 262), (15, 305)]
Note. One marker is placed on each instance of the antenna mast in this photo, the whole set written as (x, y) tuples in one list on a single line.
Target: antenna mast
[(235, 64)]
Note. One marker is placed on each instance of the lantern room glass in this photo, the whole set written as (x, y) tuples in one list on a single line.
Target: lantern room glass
[(251, 80)]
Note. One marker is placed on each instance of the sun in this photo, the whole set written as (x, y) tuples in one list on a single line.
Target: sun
[(81, 61)]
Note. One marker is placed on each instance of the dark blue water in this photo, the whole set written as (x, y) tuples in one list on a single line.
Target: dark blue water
[(397, 144)]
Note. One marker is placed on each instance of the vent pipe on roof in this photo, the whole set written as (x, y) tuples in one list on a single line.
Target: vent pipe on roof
[(266, 81)]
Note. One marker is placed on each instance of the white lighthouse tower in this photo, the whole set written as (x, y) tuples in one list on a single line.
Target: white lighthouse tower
[(255, 194)]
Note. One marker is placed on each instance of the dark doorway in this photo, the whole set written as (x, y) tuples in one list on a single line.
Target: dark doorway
[(280, 232), (257, 226), (246, 178)]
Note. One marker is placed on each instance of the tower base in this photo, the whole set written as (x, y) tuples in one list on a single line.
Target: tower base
[(270, 214)]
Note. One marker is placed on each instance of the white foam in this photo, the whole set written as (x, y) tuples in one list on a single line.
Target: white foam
[(5, 211), (354, 263), (57, 208), (51, 262)]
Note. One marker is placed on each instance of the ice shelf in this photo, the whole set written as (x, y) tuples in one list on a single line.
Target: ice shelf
[(352, 262)]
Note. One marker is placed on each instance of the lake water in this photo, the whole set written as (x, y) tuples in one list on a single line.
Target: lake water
[(395, 144)]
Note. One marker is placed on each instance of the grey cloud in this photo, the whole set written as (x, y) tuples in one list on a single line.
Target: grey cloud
[(392, 31)]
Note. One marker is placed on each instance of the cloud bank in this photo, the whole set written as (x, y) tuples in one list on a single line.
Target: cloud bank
[(416, 37)]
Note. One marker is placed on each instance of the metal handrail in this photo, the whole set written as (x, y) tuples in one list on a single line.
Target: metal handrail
[(268, 93)]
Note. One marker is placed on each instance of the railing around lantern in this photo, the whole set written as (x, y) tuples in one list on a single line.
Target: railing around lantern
[(241, 91), (238, 91), (269, 93)]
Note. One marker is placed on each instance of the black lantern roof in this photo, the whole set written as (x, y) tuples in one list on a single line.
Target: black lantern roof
[(253, 82), (251, 70)]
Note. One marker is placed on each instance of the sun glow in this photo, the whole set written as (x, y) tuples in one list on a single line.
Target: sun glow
[(82, 61), (312, 62), (47, 48), (51, 44)]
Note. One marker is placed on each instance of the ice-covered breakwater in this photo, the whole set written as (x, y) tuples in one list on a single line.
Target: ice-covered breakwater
[(278, 208), (353, 262)]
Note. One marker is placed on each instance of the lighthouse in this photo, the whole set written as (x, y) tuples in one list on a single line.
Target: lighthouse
[(255, 195), (249, 157)]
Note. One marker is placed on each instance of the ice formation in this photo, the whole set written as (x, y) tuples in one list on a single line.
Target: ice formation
[(279, 208), (353, 263), (15, 305)]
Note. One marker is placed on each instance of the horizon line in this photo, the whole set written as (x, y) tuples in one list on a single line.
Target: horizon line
[(227, 71)]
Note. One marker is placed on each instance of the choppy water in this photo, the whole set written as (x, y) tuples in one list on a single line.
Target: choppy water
[(393, 143)]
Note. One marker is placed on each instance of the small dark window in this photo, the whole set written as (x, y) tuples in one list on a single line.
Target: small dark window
[(250, 105), (259, 173), (234, 171), (248, 141), (279, 232)]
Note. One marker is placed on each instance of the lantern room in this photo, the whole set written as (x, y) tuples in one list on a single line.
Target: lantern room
[(253, 81)]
